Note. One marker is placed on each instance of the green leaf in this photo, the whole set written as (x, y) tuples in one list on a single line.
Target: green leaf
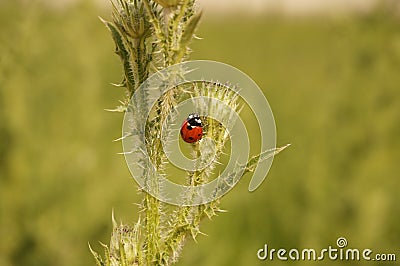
[(122, 49), (187, 37), (265, 155), (107, 255), (122, 253), (97, 257)]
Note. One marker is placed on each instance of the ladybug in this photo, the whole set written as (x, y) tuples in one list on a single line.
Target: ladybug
[(192, 129)]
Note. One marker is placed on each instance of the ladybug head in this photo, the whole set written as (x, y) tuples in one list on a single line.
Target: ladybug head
[(194, 120)]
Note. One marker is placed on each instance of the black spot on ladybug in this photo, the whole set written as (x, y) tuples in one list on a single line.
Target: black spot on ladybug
[(189, 127), (190, 138)]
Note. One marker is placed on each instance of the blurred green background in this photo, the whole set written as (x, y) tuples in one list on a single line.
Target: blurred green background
[(332, 83)]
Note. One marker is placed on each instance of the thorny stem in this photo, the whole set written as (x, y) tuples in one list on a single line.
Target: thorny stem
[(150, 35)]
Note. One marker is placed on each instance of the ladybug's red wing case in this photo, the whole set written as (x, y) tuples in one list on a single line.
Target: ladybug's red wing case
[(191, 135)]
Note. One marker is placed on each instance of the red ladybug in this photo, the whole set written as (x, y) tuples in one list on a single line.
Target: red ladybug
[(192, 129)]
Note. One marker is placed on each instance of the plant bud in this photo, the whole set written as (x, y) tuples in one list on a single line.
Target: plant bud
[(168, 3)]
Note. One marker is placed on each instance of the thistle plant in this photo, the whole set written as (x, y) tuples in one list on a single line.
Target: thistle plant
[(151, 35)]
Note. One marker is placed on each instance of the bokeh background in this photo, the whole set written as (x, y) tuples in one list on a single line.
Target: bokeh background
[(330, 73)]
